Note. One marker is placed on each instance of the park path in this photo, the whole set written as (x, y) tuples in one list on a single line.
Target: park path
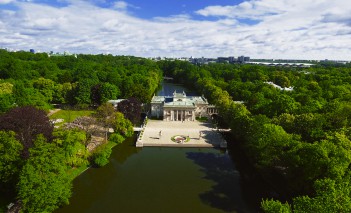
[(53, 111)]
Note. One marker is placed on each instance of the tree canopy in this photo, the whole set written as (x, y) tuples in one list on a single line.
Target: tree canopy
[(44, 184), (26, 79), (27, 122)]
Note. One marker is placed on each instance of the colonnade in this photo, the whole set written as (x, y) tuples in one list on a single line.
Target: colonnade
[(211, 111), (179, 115)]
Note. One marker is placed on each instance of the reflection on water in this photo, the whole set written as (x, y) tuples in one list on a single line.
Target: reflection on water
[(225, 194)]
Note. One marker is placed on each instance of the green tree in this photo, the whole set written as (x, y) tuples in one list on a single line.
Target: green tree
[(122, 125), (6, 88), (267, 144), (10, 160), (272, 206), (116, 138), (310, 126), (46, 87), (72, 144), (44, 184), (109, 92), (101, 155), (239, 119), (281, 80), (283, 103), (26, 95), (7, 101), (101, 93), (331, 196), (83, 93)]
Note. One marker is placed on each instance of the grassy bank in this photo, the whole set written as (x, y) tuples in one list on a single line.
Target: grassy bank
[(75, 172)]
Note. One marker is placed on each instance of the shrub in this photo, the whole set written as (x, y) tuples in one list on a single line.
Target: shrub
[(101, 155), (116, 138)]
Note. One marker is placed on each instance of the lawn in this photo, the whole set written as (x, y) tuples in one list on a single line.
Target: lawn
[(75, 172), (70, 115), (202, 119)]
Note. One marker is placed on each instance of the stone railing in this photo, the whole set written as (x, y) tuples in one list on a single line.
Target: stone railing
[(139, 142)]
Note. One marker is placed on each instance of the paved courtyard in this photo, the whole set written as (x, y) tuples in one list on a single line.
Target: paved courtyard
[(209, 137)]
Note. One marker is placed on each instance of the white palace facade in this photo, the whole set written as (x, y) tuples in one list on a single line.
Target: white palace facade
[(181, 107)]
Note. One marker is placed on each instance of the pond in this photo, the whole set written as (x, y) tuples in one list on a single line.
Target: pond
[(160, 180)]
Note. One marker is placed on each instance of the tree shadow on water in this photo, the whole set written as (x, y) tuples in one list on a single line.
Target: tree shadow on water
[(226, 193)]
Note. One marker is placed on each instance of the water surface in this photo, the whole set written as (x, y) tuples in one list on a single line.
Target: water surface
[(160, 180)]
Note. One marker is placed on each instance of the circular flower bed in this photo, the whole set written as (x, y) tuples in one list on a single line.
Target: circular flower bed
[(180, 138)]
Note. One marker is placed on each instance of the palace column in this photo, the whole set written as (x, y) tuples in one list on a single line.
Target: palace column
[(177, 116)]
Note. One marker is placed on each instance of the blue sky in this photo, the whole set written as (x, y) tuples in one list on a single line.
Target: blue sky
[(154, 8), (294, 29)]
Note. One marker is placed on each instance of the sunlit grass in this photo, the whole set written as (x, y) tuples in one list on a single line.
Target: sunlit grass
[(70, 115), (75, 172), (202, 119)]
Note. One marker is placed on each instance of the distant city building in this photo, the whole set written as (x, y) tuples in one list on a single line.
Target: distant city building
[(241, 59), (202, 60), (222, 60), (32, 50), (232, 59)]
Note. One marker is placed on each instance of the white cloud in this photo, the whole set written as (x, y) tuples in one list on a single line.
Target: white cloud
[(309, 29), (6, 1), (121, 5), (255, 9)]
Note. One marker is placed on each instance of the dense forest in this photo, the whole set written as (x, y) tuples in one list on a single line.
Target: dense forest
[(39, 159), (300, 137), (39, 80)]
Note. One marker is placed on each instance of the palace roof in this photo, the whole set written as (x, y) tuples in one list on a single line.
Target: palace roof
[(179, 100)]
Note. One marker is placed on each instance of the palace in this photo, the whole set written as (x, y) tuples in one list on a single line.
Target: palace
[(181, 107)]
